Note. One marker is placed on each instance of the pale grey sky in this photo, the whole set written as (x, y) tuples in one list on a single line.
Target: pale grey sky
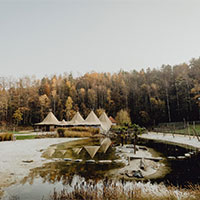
[(45, 37)]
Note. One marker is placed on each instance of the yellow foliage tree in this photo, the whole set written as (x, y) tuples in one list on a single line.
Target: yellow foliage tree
[(45, 104), (123, 117), (99, 112), (17, 116), (68, 108)]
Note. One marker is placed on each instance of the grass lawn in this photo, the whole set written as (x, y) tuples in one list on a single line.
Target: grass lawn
[(185, 131), (24, 137)]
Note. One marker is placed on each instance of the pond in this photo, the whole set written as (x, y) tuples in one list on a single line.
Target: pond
[(60, 173), (183, 171)]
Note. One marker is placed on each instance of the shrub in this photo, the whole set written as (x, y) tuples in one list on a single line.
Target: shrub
[(69, 133), (6, 136), (116, 128), (9, 136), (60, 132), (93, 130), (85, 129), (78, 129), (77, 132), (48, 136)]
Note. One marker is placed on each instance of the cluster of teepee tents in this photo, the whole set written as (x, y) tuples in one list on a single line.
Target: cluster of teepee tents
[(103, 122)]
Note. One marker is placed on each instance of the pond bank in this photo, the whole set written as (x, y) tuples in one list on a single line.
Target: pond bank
[(185, 141), (146, 161)]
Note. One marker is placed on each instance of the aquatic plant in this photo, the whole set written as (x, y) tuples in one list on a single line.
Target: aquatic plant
[(122, 190)]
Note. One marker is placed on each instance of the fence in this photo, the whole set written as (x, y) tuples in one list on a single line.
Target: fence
[(186, 128)]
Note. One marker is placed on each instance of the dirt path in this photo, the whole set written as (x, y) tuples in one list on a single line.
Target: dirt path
[(177, 139)]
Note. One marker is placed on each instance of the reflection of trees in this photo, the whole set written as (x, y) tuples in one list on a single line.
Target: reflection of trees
[(64, 171)]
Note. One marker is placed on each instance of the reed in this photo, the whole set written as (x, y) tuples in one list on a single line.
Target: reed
[(111, 190)]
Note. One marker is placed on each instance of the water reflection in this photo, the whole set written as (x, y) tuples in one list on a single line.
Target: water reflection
[(64, 171), (69, 150), (183, 171), (59, 174)]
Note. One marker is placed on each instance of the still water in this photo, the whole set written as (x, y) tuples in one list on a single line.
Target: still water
[(60, 174), (183, 171)]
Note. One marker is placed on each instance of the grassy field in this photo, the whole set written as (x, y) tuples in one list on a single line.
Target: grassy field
[(189, 130), (183, 131)]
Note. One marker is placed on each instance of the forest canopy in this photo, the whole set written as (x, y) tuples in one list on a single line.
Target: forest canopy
[(151, 96)]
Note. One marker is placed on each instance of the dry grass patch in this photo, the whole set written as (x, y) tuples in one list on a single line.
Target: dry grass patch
[(85, 129), (77, 132), (6, 136), (125, 191), (69, 133)]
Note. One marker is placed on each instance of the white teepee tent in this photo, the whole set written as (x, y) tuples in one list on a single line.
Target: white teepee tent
[(105, 121), (50, 119), (92, 119), (76, 120)]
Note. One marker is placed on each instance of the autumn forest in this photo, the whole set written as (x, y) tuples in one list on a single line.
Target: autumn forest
[(152, 96)]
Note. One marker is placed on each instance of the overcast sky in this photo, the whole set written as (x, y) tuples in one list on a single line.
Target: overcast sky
[(45, 37)]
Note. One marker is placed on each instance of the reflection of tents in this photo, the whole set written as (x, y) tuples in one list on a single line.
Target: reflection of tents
[(105, 121), (92, 150), (63, 151), (105, 144), (50, 152), (77, 150)]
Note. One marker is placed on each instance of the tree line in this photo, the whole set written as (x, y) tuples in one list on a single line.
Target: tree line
[(151, 96)]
